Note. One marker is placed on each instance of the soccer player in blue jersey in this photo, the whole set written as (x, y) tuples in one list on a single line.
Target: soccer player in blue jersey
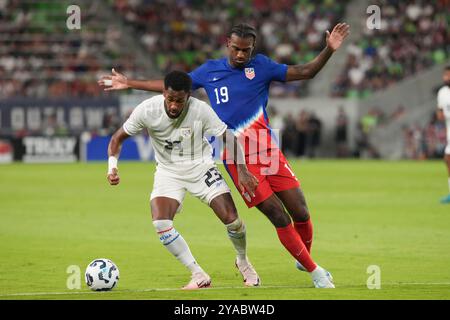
[(238, 90)]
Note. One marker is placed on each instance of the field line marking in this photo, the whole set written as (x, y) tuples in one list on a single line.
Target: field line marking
[(136, 291), (212, 288)]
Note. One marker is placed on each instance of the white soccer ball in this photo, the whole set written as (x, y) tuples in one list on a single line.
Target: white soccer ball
[(102, 275)]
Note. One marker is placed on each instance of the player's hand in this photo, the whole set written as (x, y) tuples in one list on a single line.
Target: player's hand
[(247, 183), (337, 36), (113, 178), (116, 81)]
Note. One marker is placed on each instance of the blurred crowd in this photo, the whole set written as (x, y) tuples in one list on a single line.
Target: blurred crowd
[(414, 35), (419, 141), (182, 34), (425, 142), (302, 134), (41, 57)]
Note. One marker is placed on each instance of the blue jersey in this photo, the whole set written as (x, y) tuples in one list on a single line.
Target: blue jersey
[(239, 96)]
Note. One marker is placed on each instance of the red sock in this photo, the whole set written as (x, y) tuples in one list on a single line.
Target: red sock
[(305, 230), (294, 244)]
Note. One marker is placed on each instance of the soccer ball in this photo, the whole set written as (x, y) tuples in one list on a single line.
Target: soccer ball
[(102, 275)]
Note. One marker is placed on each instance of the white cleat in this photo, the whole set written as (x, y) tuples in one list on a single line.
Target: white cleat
[(322, 279), (199, 280), (251, 278)]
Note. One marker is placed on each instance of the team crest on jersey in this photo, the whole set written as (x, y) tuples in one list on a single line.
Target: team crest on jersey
[(185, 132), (250, 73)]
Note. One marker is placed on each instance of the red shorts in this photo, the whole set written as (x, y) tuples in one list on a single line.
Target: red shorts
[(275, 176)]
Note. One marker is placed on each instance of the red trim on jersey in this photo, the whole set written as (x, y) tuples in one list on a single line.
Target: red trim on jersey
[(256, 138), (273, 176)]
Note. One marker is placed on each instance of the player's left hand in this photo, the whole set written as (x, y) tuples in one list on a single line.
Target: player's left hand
[(337, 36), (247, 183), (116, 81), (113, 177)]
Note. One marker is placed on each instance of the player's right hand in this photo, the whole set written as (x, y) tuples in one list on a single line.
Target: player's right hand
[(337, 36), (116, 81), (113, 178), (247, 183)]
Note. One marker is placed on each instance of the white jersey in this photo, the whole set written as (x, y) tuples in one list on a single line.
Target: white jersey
[(180, 143), (443, 102)]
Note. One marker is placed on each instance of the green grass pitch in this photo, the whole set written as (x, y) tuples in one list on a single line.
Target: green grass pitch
[(364, 213)]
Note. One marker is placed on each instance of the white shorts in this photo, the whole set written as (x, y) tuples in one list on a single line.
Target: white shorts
[(205, 183), (447, 148)]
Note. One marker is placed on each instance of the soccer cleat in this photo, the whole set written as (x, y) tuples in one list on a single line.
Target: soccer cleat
[(446, 199), (251, 278), (299, 266), (199, 280), (322, 279)]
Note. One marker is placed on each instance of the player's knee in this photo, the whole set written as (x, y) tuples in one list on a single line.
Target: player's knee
[(166, 232), (278, 217), (306, 215), (230, 215), (236, 228), (274, 211), (301, 215), (282, 220)]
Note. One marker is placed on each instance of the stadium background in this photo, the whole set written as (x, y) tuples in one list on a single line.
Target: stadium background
[(375, 99)]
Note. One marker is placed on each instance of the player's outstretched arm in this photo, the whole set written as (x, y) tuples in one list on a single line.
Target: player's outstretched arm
[(247, 182), (114, 148), (310, 69), (118, 81)]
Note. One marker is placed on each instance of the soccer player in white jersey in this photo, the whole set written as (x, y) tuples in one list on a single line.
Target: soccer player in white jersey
[(443, 114), (177, 123)]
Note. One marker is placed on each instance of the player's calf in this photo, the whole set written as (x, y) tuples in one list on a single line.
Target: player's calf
[(237, 234), (178, 247)]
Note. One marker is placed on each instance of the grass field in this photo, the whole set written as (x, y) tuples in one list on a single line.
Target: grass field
[(364, 213)]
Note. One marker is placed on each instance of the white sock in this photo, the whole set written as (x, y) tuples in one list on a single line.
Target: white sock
[(176, 244), (237, 234)]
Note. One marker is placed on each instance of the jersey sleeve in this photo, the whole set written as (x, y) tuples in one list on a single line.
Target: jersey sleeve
[(135, 122), (274, 70), (198, 77), (212, 125)]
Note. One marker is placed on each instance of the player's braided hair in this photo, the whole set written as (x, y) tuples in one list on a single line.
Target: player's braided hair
[(243, 30), (178, 80)]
